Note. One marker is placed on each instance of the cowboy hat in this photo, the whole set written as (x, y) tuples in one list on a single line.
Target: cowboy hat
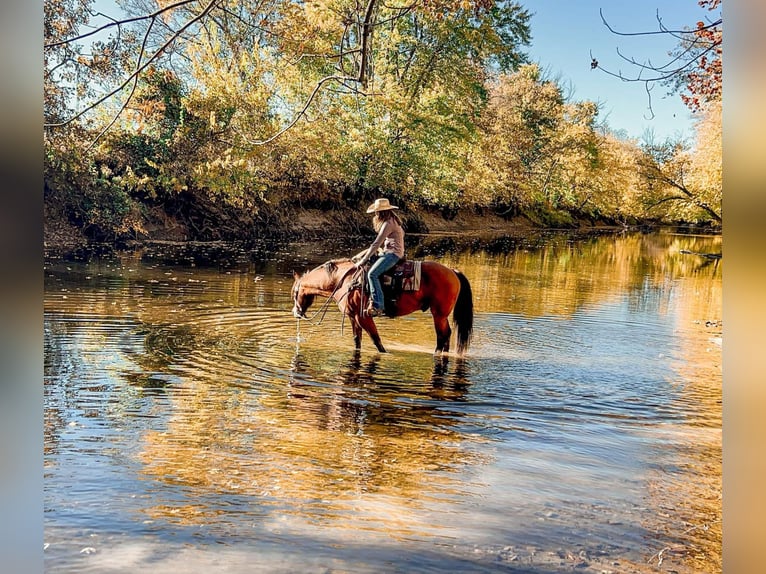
[(381, 204)]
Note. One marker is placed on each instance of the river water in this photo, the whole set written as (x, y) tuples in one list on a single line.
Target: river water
[(192, 425)]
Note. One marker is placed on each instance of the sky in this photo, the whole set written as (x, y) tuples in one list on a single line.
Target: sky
[(565, 32)]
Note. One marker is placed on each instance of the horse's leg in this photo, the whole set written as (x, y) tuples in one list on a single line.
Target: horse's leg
[(351, 307), (443, 332), (368, 325), (357, 329)]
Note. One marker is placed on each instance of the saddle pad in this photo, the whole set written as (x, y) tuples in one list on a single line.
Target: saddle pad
[(409, 271)]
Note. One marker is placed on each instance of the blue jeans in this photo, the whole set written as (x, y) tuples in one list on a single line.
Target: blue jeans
[(381, 265)]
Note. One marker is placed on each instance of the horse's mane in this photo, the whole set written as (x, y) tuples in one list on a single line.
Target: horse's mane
[(332, 265)]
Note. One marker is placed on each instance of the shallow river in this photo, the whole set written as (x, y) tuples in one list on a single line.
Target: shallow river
[(191, 425)]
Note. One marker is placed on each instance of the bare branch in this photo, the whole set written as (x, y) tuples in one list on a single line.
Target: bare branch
[(690, 40), (119, 23), (649, 66), (304, 110), (649, 87), (132, 90), (139, 68), (661, 31)]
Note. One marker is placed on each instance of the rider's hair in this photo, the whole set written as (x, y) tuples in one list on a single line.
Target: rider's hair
[(381, 217)]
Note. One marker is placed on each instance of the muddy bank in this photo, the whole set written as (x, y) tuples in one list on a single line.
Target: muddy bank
[(295, 224)]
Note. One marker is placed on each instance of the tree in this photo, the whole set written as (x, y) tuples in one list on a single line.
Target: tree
[(682, 184), (705, 177), (685, 183), (612, 187), (319, 46), (256, 104), (538, 150), (520, 122), (704, 78)]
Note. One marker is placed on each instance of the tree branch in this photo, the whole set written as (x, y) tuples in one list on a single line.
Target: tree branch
[(119, 23), (663, 30), (139, 68), (132, 90), (687, 196), (666, 199), (366, 32), (690, 40), (304, 110), (361, 78), (653, 68)]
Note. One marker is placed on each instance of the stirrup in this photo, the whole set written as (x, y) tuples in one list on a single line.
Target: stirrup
[(373, 312)]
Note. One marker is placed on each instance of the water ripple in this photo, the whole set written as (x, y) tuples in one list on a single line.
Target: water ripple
[(186, 404)]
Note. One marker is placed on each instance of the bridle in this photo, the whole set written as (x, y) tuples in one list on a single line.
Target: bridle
[(323, 308)]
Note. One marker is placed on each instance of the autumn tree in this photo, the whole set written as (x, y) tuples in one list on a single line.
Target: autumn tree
[(540, 152), (686, 184), (701, 189), (260, 103), (613, 186), (701, 82), (321, 45)]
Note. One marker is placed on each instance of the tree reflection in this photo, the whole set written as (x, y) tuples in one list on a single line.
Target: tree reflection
[(317, 443), (563, 274)]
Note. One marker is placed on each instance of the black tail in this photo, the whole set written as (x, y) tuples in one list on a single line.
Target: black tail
[(462, 316)]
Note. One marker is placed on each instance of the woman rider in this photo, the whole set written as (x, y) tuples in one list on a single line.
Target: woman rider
[(391, 238)]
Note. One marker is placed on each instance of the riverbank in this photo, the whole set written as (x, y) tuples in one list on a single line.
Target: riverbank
[(60, 235)]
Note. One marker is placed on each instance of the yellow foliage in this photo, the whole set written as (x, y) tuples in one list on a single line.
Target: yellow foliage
[(706, 158)]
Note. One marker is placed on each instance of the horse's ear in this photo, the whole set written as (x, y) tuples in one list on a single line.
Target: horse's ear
[(296, 275)]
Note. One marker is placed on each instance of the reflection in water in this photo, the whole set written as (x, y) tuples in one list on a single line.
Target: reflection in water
[(308, 450), (582, 429)]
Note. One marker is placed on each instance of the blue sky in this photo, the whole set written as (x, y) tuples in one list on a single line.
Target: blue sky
[(564, 33)]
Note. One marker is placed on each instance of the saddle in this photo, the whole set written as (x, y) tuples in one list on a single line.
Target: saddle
[(404, 276)]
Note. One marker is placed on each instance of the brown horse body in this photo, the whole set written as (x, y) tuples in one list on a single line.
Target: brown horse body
[(442, 290)]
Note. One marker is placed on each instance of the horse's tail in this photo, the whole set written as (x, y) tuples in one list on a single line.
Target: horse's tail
[(462, 316)]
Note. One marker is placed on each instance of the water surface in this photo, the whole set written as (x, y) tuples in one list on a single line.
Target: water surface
[(192, 425)]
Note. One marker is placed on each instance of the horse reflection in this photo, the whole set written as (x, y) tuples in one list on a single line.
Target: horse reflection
[(356, 373), (366, 401), (359, 426), (450, 385), (346, 407)]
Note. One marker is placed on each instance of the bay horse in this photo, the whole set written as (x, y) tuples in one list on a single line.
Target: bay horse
[(442, 290)]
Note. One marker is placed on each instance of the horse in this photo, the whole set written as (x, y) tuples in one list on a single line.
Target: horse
[(442, 290)]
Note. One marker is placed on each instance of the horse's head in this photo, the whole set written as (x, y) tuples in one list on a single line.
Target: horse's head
[(323, 280), (301, 300)]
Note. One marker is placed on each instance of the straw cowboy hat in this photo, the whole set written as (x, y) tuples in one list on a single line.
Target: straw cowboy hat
[(381, 204)]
